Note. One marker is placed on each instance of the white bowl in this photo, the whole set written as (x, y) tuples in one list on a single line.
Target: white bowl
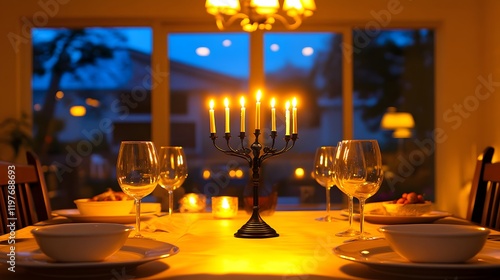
[(435, 243), (104, 208), (410, 209), (86, 242)]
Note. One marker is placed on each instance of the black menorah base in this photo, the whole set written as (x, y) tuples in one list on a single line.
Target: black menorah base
[(256, 228)]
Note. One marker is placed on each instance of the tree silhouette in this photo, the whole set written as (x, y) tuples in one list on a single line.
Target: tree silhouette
[(69, 50)]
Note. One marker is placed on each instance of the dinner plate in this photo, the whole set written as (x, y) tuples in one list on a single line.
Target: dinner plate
[(135, 251), (379, 218), (75, 216), (378, 255)]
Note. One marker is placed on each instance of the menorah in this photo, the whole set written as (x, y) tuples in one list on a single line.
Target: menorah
[(255, 227)]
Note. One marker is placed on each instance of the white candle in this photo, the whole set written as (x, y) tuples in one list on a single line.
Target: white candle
[(287, 118), (294, 116), (273, 115), (242, 102), (226, 103), (212, 117), (257, 110)]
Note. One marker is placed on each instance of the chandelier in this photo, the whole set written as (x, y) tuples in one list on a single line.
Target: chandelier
[(259, 14)]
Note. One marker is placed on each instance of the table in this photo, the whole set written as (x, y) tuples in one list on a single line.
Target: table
[(208, 249)]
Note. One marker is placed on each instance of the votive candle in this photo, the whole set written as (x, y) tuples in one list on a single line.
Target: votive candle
[(224, 207)]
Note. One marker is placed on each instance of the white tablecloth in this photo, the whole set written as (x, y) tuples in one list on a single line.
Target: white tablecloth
[(209, 250)]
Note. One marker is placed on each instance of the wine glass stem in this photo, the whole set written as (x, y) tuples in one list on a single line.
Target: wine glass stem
[(361, 217), (170, 203), (327, 203), (138, 217), (350, 206)]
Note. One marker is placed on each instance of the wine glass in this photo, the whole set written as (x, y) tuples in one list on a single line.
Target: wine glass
[(359, 171), (324, 174), (137, 173), (173, 171)]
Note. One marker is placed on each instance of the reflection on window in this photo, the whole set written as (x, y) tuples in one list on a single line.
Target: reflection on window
[(395, 71), (309, 66)]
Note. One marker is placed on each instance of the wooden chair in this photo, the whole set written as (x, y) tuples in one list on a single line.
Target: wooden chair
[(484, 200), (24, 198)]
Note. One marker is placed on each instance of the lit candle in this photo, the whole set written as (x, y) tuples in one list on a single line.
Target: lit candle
[(294, 116), (287, 118), (212, 117), (242, 102), (257, 110), (226, 103), (224, 206), (273, 115), (192, 203)]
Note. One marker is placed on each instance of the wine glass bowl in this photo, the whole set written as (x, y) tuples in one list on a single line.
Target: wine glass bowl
[(137, 172), (172, 171), (324, 173), (359, 172)]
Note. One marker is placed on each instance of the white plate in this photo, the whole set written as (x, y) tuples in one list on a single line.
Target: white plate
[(377, 255), (75, 216), (134, 252), (387, 220)]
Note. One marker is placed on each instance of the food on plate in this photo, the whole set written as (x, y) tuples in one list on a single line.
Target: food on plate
[(409, 204), (410, 198), (110, 195)]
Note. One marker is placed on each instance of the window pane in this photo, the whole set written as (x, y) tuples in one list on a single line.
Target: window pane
[(307, 66), (202, 67), (90, 91), (395, 71)]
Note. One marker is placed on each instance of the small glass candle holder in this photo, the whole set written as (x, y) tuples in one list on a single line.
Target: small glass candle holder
[(192, 203), (224, 207)]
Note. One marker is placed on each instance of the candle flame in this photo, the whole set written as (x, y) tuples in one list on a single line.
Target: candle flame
[(225, 203), (273, 102), (294, 102), (226, 102), (211, 104), (287, 105), (259, 94), (242, 101)]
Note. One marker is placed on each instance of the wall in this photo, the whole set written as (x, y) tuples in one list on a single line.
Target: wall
[(467, 53)]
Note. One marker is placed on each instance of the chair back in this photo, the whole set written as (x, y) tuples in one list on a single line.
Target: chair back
[(23, 194), (484, 200)]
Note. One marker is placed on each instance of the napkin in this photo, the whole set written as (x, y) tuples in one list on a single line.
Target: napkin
[(176, 225)]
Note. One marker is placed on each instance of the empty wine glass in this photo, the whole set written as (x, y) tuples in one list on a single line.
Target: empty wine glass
[(137, 173), (324, 174), (173, 171), (359, 172)]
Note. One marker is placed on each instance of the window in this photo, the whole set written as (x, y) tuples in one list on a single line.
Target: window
[(394, 69)]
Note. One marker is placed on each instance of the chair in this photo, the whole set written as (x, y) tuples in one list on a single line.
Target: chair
[(24, 198), (484, 200)]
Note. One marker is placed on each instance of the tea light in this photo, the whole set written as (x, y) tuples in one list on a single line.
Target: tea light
[(192, 203), (224, 206)]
